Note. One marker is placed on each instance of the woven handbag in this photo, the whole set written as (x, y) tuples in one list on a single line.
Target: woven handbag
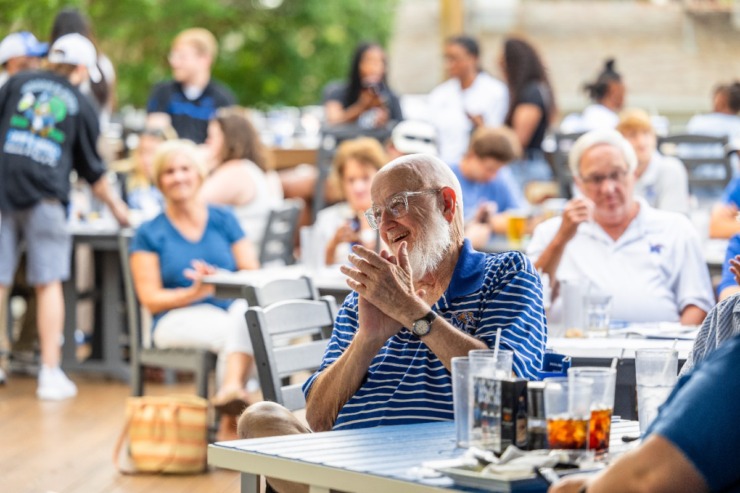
[(164, 434)]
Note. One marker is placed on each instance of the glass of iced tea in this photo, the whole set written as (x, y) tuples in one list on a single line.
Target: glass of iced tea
[(602, 404), (567, 409)]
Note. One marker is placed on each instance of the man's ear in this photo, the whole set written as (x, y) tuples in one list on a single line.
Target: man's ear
[(449, 198)]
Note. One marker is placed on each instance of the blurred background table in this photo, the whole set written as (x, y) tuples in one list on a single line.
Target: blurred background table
[(108, 338)]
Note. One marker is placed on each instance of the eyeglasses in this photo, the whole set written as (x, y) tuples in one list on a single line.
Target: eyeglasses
[(596, 181), (397, 206)]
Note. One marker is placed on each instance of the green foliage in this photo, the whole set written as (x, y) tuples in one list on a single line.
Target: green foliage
[(268, 56)]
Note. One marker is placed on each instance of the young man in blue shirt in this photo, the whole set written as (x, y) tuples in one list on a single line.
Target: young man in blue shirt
[(489, 191)]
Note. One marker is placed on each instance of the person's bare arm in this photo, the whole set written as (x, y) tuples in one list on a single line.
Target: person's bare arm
[(230, 184), (338, 383), (692, 315), (102, 190), (525, 120), (735, 269), (245, 255), (478, 233), (344, 234), (147, 277), (336, 114), (723, 222), (657, 466), (158, 120), (576, 211)]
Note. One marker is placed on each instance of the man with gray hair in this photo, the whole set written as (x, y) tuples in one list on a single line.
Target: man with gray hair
[(649, 260), (413, 308)]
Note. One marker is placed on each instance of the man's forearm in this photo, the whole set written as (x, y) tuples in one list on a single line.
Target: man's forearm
[(337, 384), (102, 190), (447, 342), (656, 466), (692, 315), (549, 260)]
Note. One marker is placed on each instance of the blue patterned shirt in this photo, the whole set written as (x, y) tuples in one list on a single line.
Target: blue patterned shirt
[(406, 382)]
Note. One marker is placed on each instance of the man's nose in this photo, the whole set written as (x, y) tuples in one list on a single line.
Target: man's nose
[(608, 185)]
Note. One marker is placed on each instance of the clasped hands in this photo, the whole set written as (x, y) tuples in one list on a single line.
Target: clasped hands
[(386, 288)]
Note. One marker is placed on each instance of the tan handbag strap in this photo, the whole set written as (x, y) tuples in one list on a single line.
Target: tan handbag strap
[(122, 439)]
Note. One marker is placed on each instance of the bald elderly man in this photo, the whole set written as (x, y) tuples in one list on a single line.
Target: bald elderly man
[(413, 308)]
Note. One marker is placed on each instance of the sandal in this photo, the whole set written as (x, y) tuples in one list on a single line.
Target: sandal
[(232, 403)]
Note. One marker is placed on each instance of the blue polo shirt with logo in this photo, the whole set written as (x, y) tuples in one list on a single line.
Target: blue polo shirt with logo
[(406, 382)]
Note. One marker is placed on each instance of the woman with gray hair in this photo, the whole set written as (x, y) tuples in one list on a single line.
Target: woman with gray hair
[(648, 260)]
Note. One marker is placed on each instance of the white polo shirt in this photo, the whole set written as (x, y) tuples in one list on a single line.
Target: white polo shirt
[(449, 103), (665, 184), (653, 271)]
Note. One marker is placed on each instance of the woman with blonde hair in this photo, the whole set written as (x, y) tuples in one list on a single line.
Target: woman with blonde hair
[(344, 224), (170, 256)]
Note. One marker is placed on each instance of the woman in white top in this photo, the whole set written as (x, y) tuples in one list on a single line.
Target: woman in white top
[(242, 177), (344, 224), (607, 100), (724, 119), (468, 99)]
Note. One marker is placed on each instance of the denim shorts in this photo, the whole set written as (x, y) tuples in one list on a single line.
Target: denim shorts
[(42, 231)]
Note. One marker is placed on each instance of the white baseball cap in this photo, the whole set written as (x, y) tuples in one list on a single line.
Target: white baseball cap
[(415, 137), (21, 44), (76, 49)]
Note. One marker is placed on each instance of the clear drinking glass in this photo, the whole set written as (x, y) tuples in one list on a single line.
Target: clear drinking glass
[(462, 399), (602, 404), (486, 373), (656, 373), (567, 410)]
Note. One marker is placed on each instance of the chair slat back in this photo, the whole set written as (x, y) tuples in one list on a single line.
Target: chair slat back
[(280, 290), (563, 145), (700, 151), (133, 308), (280, 230), (280, 320)]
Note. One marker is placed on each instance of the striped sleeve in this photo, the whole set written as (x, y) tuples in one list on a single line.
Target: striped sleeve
[(718, 326)]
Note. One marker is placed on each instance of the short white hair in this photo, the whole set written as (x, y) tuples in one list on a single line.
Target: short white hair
[(598, 137)]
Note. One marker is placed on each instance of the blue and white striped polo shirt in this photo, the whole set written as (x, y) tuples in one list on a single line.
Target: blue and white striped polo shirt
[(406, 382)]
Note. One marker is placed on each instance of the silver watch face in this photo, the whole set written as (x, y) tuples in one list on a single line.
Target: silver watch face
[(421, 327)]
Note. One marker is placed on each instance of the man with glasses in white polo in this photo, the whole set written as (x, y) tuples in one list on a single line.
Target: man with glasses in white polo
[(650, 261), (428, 298)]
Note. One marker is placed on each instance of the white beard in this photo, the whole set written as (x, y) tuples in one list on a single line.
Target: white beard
[(430, 249)]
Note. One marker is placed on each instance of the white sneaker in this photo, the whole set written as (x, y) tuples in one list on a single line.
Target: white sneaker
[(54, 385)]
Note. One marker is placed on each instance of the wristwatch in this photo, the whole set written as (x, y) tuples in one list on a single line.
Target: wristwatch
[(422, 326)]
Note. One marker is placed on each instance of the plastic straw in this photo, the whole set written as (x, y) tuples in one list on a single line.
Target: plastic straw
[(668, 358), (495, 347)]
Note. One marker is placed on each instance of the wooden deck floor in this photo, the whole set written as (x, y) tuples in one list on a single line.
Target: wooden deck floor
[(67, 447)]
